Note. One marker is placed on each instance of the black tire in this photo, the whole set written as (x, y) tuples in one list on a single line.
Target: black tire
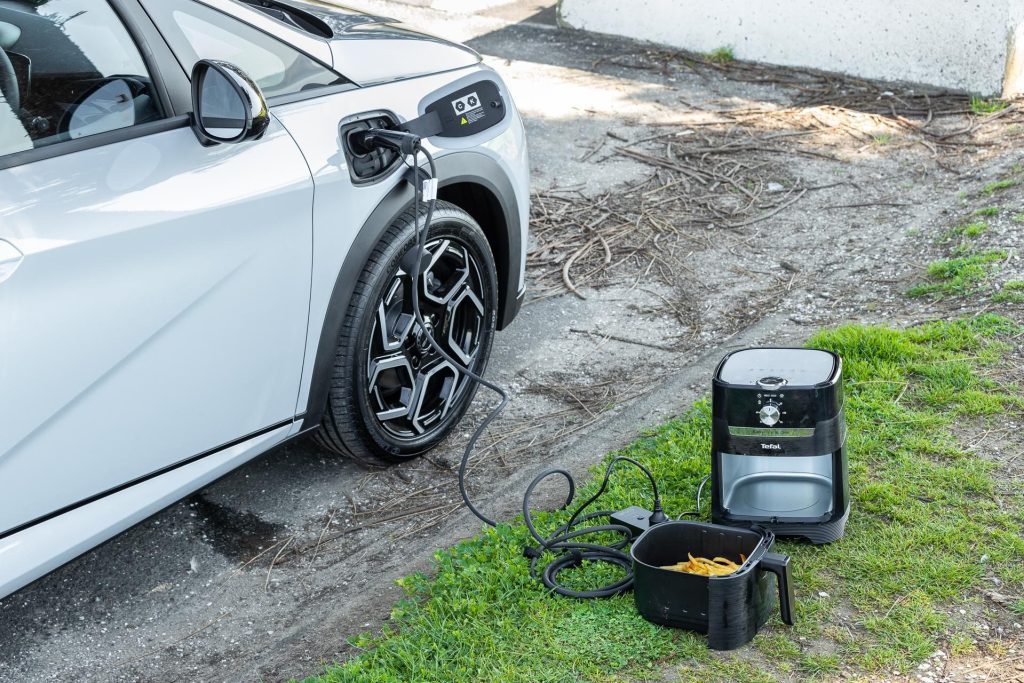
[(364, 421)]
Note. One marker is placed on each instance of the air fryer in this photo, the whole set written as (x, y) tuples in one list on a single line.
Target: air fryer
[(778, 443)]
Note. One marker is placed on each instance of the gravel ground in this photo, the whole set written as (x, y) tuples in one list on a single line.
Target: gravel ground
[(267, 573)]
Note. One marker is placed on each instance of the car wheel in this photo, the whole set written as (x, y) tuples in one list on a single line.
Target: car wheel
[(392, 396)]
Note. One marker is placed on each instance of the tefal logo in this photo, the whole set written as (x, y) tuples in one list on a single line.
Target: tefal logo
[(771, 446)]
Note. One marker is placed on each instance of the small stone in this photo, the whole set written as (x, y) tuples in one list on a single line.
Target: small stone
[(822, 594)]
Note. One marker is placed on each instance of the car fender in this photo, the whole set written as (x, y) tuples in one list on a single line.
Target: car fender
[(456, 169)]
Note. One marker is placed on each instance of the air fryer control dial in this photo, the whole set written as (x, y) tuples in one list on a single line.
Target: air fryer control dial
[(769, 415)]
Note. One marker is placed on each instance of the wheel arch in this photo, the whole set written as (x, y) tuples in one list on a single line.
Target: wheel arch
[(473, 182), (481, 202)]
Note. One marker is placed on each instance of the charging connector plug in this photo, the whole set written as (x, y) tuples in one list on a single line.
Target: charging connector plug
[(362, 141)]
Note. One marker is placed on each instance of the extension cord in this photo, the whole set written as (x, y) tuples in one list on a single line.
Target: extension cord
[(634, 518)]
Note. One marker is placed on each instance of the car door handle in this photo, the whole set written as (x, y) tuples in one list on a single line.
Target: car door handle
[(10, 259)]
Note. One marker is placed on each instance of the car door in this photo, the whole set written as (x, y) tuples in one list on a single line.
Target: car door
[(153, 292)]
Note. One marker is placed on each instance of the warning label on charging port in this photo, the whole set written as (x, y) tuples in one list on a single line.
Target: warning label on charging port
[(468, 109)]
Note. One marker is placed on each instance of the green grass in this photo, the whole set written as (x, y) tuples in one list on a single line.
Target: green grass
[(974, 229), (982, 106), (988, 211), (967, 230), (880, 600), (1012, 292), (958, 276), (720, 55), (998, 185)]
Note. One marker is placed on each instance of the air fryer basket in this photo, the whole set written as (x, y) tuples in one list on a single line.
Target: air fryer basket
[(729, 609)]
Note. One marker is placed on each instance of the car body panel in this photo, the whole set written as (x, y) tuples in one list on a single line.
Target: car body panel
[(378, 53), (314, 46), (137, 394), (366, 49), (340, 209), (40, 549), (157, 275)]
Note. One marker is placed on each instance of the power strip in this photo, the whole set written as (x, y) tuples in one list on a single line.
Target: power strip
[(634, 518)]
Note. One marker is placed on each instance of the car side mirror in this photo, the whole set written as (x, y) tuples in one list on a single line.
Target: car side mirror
[(227, 106)]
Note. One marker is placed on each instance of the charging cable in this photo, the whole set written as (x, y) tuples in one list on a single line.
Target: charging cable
[(427, 191), (569, 551), (424, 184)]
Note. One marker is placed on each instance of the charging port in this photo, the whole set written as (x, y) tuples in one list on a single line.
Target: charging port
[(365, 165)]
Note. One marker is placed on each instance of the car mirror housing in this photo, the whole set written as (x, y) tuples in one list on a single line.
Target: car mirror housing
[(227, 105)]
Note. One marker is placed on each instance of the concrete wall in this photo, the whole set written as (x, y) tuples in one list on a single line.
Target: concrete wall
[(962, 44)]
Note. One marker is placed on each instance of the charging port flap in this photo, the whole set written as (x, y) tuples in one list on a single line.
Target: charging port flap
[(470, 110)]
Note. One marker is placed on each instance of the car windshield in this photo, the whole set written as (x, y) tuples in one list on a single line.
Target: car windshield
[(196, 32)]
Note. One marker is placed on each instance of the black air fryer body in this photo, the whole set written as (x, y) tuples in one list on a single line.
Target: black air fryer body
[(778, 443)]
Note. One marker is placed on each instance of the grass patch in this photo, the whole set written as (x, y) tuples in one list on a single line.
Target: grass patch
[(957, 276), (998, 185), (1012, 292), (924, 511), (967, 230), (988, 211), (982, 106), (720, 55), (973, 229)]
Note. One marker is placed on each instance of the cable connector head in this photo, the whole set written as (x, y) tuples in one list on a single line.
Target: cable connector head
[(658, 516), (376, 138), (531, 552)]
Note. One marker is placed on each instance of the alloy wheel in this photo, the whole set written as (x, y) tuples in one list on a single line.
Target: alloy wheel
[(411, 387)]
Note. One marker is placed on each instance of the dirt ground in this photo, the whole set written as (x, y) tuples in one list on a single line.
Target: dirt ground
[(682, 209)]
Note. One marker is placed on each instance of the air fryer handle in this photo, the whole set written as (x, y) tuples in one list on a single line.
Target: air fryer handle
[(779, 565)]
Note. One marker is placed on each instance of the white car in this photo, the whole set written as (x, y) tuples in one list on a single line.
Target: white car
[(198, 261)]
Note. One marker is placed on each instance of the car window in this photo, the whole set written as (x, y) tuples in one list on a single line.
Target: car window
[(68, 69), (196, 32)]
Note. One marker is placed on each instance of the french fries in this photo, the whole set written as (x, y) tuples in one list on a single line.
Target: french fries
[(718, 566)]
